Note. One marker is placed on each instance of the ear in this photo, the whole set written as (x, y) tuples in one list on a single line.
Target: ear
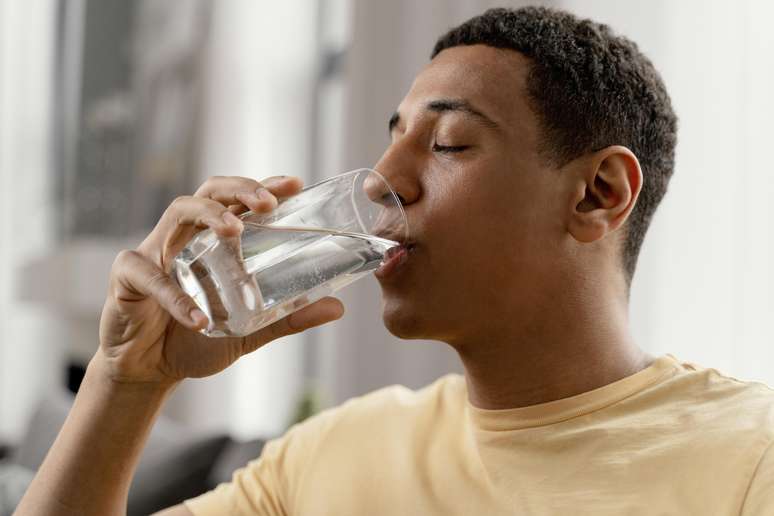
[(607, 185)]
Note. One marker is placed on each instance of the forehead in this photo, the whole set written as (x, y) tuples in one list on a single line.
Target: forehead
[(492, 80)]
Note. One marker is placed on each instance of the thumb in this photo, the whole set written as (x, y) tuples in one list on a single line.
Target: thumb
[(320, 312)]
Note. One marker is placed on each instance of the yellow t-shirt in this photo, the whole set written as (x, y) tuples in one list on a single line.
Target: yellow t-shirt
[(673, 438)]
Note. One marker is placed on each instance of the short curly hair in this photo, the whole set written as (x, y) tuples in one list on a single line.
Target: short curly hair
[(590, 89)]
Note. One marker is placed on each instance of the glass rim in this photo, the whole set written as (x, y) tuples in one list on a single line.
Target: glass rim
[(382, 178)]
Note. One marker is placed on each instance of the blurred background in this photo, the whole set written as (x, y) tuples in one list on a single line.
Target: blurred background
[(111, 108)]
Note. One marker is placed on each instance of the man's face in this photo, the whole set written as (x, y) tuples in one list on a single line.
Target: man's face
[(484, 210)]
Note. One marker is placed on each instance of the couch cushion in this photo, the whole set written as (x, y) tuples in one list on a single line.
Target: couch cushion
[(42, 429), (173, 467), (169, 473), (14, 480), (234, 456)]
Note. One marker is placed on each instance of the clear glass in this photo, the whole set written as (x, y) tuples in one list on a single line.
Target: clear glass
[(313, 244)]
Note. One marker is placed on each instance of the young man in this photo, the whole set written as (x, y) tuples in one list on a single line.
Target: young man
[(530, 155)]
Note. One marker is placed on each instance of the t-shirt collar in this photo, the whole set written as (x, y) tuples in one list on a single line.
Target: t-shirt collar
[(567, 408)]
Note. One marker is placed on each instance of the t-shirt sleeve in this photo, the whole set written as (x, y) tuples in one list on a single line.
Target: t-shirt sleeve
[(760, 495), (269, 485), (256, 489)]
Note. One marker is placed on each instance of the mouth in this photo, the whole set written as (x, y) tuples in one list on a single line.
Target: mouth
[(394, 260)]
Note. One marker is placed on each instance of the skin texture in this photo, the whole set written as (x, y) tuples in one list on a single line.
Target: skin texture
[(516, 261), (515, 264)]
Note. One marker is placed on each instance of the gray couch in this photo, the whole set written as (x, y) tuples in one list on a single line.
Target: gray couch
[(176, 463)]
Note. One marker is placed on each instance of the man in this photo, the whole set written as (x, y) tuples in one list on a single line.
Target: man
[(530, 155)]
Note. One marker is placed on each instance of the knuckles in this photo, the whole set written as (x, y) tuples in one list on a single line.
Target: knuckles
[(177, 203), (209, 184), (157, 281), (123, 259), (226, 184)]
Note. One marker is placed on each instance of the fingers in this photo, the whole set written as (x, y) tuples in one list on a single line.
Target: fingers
[(320, 312), (134, 277), (201, 213), (283, 186), (236, 192), (184, 217), (214, 205)]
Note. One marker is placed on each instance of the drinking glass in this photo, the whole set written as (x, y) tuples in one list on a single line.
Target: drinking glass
[(312, 244)]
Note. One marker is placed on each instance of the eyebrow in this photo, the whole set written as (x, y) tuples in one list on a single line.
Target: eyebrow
[(445, 105)]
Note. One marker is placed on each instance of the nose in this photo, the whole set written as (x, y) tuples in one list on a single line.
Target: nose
[(399, 170), (378, 190)]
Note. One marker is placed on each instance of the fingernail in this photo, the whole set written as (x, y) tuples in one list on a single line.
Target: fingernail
[(198, 317)]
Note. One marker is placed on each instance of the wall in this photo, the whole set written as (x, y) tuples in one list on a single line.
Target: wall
[(29, 348), (704, 290), (260, 76), (260, 80)]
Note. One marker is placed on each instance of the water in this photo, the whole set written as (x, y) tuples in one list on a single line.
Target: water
[(248, 282)]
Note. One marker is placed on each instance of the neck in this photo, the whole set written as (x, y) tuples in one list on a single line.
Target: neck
[(572, 345)]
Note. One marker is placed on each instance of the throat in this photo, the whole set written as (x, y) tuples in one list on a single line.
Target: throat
[(531, 378)]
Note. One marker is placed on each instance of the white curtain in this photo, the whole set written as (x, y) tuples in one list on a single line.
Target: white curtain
[(29, 347), (260, 76), (704, 290)]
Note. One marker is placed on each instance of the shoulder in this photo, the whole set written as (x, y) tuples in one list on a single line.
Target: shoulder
[(341, 442), (393, 414), (370, 429), (387, 409), (724, 398), (759, 498), (704, 409), (444, 390)]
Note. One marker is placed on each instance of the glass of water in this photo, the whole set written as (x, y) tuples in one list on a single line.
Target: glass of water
[(314, 243)]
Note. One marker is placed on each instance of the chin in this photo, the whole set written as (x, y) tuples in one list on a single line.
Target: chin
[(402, 321)]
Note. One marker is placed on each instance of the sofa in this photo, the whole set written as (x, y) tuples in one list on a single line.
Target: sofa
[(176, 464)]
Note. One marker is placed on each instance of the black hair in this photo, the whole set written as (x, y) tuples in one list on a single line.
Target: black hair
[(590, 88)]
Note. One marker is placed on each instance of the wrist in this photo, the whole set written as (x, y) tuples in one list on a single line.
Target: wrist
[(103, 369)]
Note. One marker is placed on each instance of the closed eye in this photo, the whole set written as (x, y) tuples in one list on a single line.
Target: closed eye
[(449, 149)]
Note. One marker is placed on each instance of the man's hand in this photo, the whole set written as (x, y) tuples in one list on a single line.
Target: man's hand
[(148, 327), (148, 343)]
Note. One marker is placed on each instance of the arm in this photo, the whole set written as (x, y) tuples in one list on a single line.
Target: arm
[(148, 344), (89, 468)]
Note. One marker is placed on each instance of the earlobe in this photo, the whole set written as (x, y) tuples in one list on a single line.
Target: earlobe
[(607, 186), (587, 221)]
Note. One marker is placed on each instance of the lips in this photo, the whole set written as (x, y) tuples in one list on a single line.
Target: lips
[(392, 227), (394, 259)]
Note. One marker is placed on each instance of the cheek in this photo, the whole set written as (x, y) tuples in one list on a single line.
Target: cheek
[(498, 226), (466, 228)]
